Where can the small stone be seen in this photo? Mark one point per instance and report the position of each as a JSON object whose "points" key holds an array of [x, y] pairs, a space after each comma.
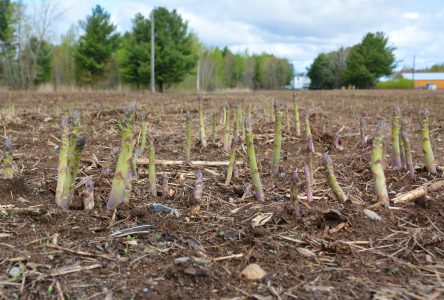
{"points": [[181, 260], [145, 290], [15, 272], [253, 272]]}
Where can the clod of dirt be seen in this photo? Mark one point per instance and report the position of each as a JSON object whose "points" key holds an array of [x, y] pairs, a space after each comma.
{"points": [[253, 272]]}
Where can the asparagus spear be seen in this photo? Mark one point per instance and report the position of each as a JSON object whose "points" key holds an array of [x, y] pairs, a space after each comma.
{"points": [[227, 131], [297, 122], [213, 128], [293, 208], [188, 137], [362, 122], [252, 164], [107, 169], [7, 171], [88, 195], [123, 167], [377, 165], [198, 193], [408, 151], [396, 126], [152, 164], [277, 140], [165, 188], [203, 139], [429, 159], [63, 160], [331, 179], [143, 126], [73, 166], [308, 131], [308, 177], [234, 145]]}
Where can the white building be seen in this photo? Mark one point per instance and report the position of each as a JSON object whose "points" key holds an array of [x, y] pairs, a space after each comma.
{"points": [[301, 82]]}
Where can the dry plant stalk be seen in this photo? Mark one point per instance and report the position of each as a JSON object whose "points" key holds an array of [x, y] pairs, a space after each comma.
{"points": [[213, 128], [331, 179], [252, 163], [419, 192], [143, 127], [377, 165]]}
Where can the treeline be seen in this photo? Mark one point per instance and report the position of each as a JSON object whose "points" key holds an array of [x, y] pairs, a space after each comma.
{"points": [[95, 55], [360, 66]]}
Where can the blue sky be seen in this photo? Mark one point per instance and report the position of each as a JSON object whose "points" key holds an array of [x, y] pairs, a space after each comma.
{"points": [[295, 29]]}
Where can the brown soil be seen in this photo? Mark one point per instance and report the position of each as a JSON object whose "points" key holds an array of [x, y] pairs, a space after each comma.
{"points": [[399, 257]]}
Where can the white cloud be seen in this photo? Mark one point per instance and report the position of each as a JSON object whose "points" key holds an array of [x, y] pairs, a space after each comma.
{"points": [[296, 29]]}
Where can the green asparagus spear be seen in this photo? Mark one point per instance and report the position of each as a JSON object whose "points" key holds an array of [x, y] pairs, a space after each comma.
{"points": [[331, 179], [188, 137], [203, 139], [123, 167], [277, 140], [377, 165], [297, 122], [396, 126], [234, 145], [252, 164], [152, 164], [429, 159]]}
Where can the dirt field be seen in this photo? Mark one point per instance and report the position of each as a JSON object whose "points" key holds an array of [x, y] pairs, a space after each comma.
{"points": [[70, 254]]}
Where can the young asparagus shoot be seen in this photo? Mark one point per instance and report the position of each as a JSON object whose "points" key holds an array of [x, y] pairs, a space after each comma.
{"points": [[63, 160], [227, 130], [377, 165], [240, 116], [277, 140], [203, 139], [308, 177], [198, 194], [362, 137], [165, 188], [152, 164], [213, 128], [252, 163], [128, 187], [121, 175], [293, 207], [225, 114], [232, 162], [88, 195], [143, 126], [188, 137], [402, 152], [336, 139], [297, 121], [308, 131], [331, 179], [396, 127], [429, 159], [108, 167], [7, 170], [71, 173], [287, 120], [408, 150]]}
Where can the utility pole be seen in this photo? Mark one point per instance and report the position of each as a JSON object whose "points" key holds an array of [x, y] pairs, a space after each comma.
{"points": [[198, 76], [413, 72], [153, 85]]}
